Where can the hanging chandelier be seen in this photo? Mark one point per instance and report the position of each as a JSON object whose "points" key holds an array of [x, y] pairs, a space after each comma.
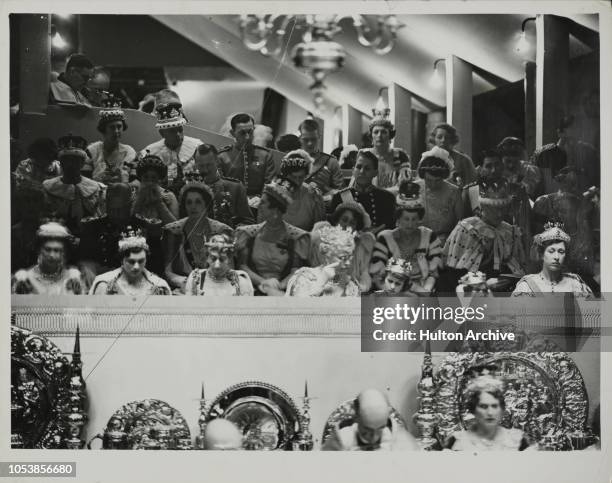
{"points": [[317, 53]]}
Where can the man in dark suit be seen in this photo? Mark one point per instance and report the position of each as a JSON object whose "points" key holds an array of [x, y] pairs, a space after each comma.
{"points": [[378, 203]]}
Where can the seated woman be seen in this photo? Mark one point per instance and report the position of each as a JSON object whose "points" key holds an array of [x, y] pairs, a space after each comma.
{"points": [[397, 278], [307, 207], [485, 400], [185, 240], [50, 276], [153, 203], [350, 215], [219, 279], [40, 165], [111, 161], [333, 277], [271, 251], [132, 278], [551, 246], [409, 241], [473, 283]]}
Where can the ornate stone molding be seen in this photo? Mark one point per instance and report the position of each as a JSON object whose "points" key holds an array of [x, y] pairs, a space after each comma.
{"points": [[108, 316]]}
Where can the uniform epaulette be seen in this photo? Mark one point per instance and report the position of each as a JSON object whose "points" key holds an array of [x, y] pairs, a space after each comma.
{"points": [[547, 147], [91, 219], [225, 149], [469, 185]]}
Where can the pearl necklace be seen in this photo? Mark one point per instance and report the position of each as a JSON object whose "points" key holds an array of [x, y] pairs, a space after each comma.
{"points": [[552, 283], [50, 277]]}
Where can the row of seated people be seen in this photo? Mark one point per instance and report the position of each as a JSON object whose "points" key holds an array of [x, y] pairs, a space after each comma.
{"points": [[110, 161], [375, 429], [390, 224], [340, 257]]}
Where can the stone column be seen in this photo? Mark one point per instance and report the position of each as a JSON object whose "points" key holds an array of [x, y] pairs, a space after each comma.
{"points": [[459, 100]]}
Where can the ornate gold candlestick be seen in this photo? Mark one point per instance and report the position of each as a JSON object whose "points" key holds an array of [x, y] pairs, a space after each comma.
{"points": [[426, 419], [305, 441], [202, 422]]}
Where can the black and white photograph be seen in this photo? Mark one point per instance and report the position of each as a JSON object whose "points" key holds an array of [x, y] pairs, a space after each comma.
{"points": [[163, 164]]}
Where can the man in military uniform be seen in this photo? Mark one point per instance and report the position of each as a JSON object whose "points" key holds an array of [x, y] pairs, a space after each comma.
{"points": [[325, 172], [378, 203], [230, 203], [252, 165], [100, 235]]}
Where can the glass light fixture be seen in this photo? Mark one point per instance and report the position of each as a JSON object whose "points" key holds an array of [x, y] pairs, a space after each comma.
{"points": [[317, 53], [522, 45], [381, 109], [58, 41], [436, 77]]}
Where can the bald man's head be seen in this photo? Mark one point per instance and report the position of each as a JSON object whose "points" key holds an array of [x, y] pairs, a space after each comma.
{"points": [[372, 415], [221, 434]]}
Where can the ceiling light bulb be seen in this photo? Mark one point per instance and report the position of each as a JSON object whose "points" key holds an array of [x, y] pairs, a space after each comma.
{"points": [[522, 45], [58, 41]]}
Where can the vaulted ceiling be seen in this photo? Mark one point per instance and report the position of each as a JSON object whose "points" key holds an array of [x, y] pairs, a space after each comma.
{"points": [[485, 40]]}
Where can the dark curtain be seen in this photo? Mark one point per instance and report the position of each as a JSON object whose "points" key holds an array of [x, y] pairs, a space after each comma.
{"points": [[497, 114], [273, 104]]}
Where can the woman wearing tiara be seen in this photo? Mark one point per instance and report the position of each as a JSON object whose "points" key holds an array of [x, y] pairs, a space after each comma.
{"points": [[551, 247], [111, 161], [350, 215], [333, 277], [393, 163], [50, 275], [410, 241], [397, 279], [484, 397], [185, 239], [271, 251], [132, 278], [219, 279]]}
